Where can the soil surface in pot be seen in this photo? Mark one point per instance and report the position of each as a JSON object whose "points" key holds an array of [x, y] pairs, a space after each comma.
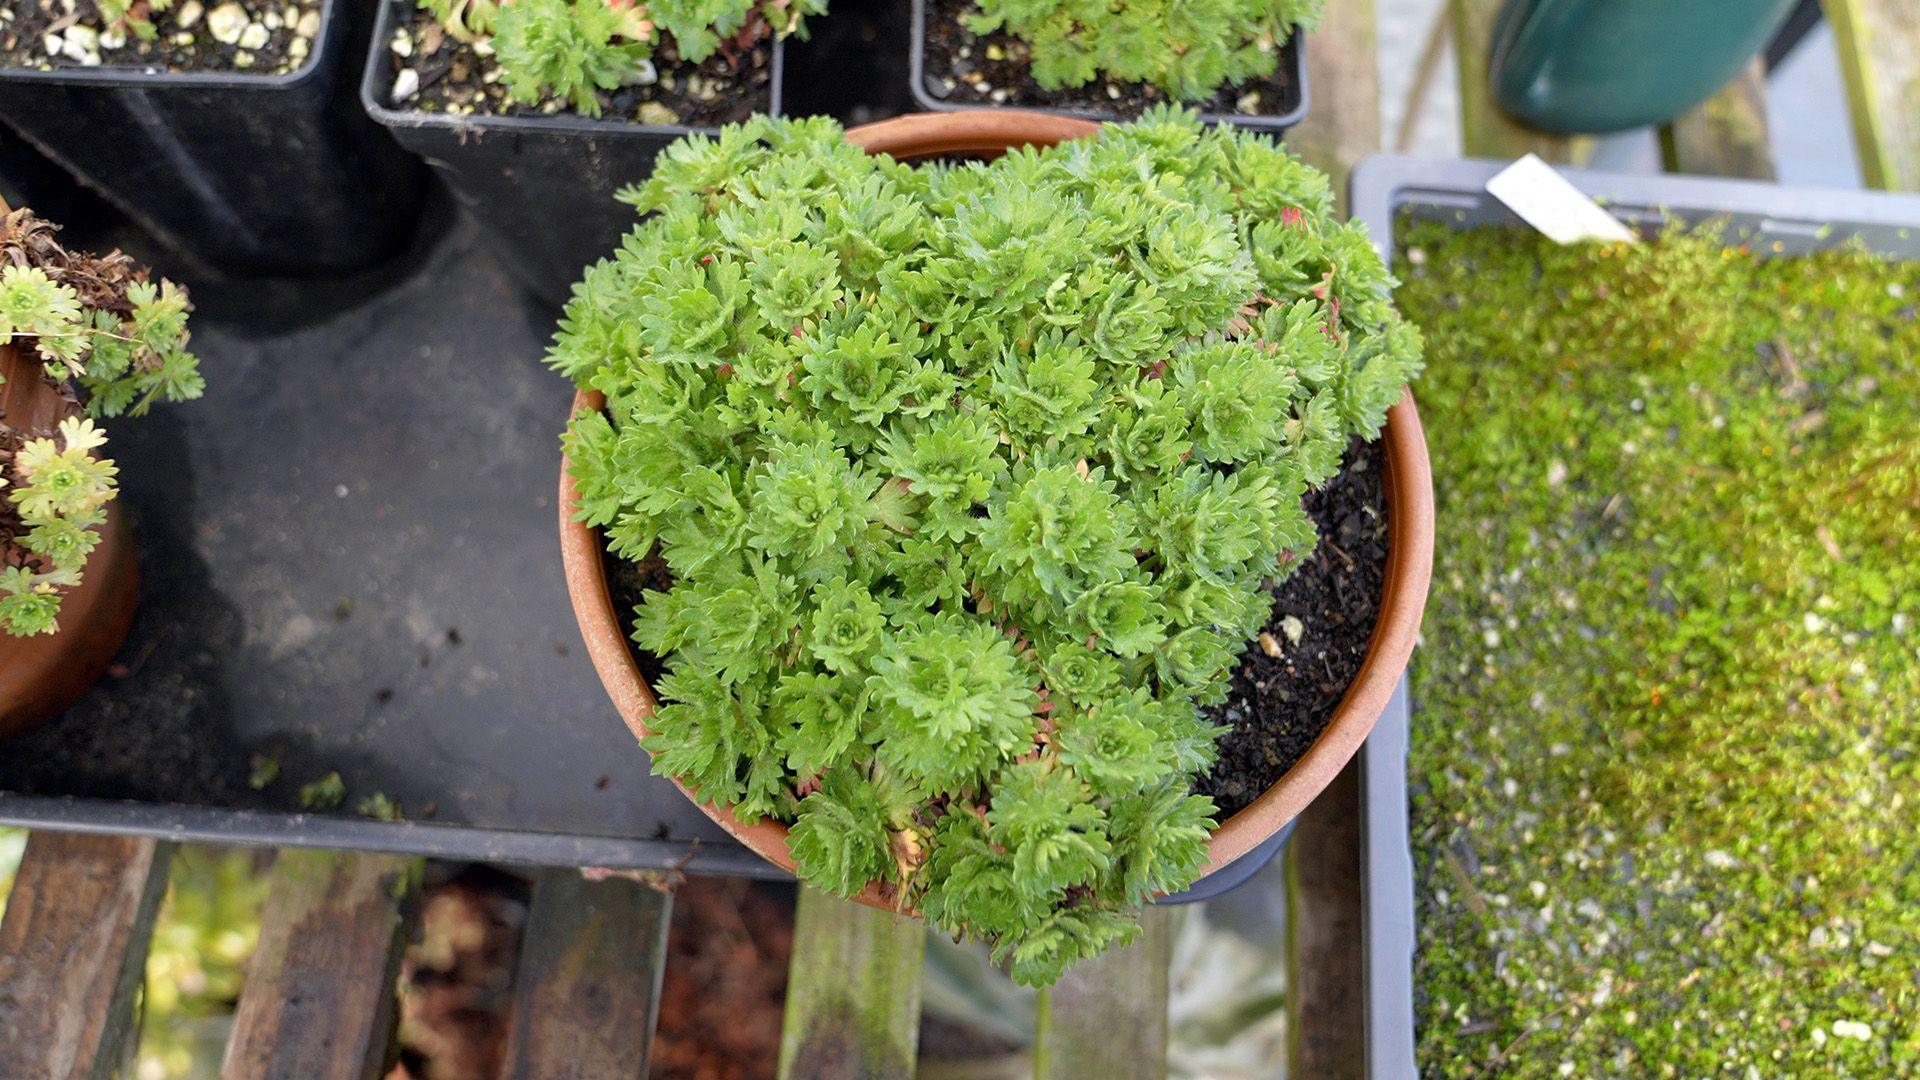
{"points": [[960, 69], [260, 37], [1289, 681], [435, 73]]}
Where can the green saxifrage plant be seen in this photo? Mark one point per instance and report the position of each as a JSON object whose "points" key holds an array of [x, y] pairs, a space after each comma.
{"points": [[1187, 48], [110, 342], [969, 478], [570, 50]]}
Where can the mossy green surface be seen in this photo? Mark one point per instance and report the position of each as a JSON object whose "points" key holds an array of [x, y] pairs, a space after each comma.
{"points": [[1665, 766]]}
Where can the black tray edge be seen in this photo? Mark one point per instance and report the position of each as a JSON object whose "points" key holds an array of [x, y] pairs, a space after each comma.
{"points": [[259, 828]]}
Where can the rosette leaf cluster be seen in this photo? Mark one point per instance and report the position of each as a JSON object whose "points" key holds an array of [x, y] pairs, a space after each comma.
{"points": [[970, 479]]}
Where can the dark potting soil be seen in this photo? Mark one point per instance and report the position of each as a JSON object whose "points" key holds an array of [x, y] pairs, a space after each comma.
{"points": [[258, 37], [453, 78], [958, 70], [1290, 680], [627, 583]]}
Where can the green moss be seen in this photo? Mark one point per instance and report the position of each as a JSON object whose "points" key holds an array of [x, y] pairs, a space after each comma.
{"points": [[1666, 805]]}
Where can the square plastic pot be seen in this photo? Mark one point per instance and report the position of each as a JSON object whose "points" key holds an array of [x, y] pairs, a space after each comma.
{"points": [[1293, 107], [540, 187], [1769, 217], [242, 174]]}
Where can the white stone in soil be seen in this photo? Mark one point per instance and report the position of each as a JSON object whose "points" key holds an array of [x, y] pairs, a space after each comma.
{"points": [[82, 45], [255, 36], [189, 15], [1293, 628], [405, 85], [53, 44], [309, 25], [652, 112], [226, 23], [271, 21], [113, 38], [645, 74], [297, 49], [402, 43]]}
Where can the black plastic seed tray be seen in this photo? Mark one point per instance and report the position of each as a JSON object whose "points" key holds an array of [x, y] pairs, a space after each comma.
{"points": [[1770, 217], [351, 563]]}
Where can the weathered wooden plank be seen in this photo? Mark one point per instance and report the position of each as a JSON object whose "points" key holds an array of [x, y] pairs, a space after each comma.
{"points": [[319, 1001], [587, 992], [1107, 1017], [1343, 69], [853, 992], [1725, 135], [1326, 992], [1879, 43], [73, 947], [1484, 130]]}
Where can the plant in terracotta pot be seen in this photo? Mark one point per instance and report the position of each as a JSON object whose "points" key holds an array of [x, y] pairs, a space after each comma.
{"points": [[956, 491], [81, 337]]}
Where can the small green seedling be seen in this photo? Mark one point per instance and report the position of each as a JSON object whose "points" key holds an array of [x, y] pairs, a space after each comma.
{"points": [[570, 50], [1187, 48]]}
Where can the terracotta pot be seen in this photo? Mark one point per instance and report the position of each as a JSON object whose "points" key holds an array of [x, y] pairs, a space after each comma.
{"points": [[1409, 492], [43, 674]]}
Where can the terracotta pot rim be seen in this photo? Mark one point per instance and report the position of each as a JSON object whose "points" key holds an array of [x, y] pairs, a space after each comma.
{"points": [[1409, 491]]}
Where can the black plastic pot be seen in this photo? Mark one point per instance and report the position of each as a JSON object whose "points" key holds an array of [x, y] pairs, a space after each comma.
{"points": [[540, 187], [242, 174], [1293, 106]]}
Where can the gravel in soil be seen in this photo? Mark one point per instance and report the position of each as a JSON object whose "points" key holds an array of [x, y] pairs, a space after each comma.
{"points": [[1292, 677], [435, 73], [965, 68], [261, 37]]}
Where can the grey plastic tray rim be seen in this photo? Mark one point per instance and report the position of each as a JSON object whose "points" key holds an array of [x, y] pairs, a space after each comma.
{"points": [[1788, 220]]}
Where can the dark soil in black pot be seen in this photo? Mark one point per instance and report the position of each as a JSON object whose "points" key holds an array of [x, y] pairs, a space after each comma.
{"points": [[258, 37], [961, 69], [1289, 681], [435, 73]]}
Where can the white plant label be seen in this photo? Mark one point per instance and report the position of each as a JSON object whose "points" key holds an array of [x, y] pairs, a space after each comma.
{"points": [[1550, 203]]}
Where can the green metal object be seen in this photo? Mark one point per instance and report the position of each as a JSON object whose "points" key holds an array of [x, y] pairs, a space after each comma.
{"points": [[1595, 66]]}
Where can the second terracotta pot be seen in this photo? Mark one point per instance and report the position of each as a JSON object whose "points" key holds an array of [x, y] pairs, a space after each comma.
{"points": [[1409, 493], [43, 674]]}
